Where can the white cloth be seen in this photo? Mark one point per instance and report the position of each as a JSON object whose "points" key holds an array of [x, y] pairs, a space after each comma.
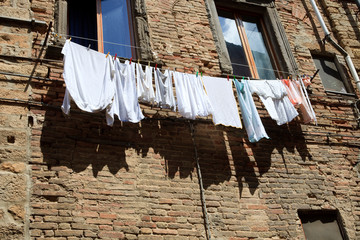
{"points": [[88, 75], [145, 90], [164, 95], [252, 122], [125, 105], [192, 100], [182, 96], [202, 99], [274, 97], [221, 95]]}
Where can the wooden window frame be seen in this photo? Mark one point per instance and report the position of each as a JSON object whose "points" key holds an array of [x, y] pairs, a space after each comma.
{"points": [[238, 16]]}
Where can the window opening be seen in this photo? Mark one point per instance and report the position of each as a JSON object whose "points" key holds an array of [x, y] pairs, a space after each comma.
{"points": [[329, 74], [321, 225], [105, 21], [247, 44]]}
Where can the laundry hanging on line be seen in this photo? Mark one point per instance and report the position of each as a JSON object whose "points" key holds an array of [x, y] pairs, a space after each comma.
{"points": [[125, 84], [274, 97], [89, 79], [252, 122], [296, 93], [125, 103]]}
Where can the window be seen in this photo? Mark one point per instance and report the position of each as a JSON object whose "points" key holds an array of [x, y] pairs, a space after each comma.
{"points": [[322, 225], [250, 39], [330, 73], [108, 21], [247, 45]]}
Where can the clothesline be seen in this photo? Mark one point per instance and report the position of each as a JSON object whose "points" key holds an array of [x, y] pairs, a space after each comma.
{"points": [[132, 46]]}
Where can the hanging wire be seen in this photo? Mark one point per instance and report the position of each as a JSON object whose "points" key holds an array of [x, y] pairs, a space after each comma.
{"points": [[132, 46], [94, 40]]}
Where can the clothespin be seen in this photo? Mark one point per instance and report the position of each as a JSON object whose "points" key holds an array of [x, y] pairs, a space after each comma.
{"points": [[155, 66], [107, 54], [243, 78], [149, 63], [201, 74], [235, 78], [115, 56], [130, 60], [70, 39], [228, 77], [197, 74], [138, 60], [88, 47]]}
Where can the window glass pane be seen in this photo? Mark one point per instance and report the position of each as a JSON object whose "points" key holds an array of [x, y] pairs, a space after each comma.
{"points": [[321, 225], [258, 49], [116, 28], [324, 229], [82, 21], [329, 74], [234, 45]]}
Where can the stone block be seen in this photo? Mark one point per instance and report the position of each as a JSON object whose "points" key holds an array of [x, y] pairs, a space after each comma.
{"points": [[13, 167], [17, 211], [13, 187]]}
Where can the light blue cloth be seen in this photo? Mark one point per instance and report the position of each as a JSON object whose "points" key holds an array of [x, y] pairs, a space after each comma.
{"points": [[252, 122]]}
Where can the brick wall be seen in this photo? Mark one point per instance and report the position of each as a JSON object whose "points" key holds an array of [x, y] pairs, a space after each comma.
{"points": [[75, 177]]}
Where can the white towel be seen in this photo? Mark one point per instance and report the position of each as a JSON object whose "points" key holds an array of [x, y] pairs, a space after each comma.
{"points": [[225, 110]]}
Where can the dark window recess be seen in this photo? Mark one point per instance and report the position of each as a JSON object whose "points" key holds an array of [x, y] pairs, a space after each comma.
{"points": [[82, 22], [322, 225], [330, 74]]}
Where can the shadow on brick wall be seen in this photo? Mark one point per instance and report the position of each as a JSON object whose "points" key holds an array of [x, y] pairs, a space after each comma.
{"points": [[252, 160], [84, 140]]}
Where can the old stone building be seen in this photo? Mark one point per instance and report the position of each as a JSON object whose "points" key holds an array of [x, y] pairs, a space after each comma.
{"points": [[77, 178]]}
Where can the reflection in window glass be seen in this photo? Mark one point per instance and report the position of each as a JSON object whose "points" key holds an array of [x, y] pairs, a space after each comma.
{"points": [[329, 74], [234, 46], [321, 225], [258, 49], [115, 17]]}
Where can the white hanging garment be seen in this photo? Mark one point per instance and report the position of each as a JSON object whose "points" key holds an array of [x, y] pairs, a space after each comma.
{"points": [[252, 122], [145, 90], [164, 95], [126, 105], [88, 75], [192, 100], [182, 96], [221, 96], [274, 97], [201, 103]]}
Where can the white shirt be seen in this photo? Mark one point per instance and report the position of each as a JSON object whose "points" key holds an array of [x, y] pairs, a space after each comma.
{"points": [[164, 95], [145, 90], [126, 105], [274, 97], [225, 110], [88, 76]]}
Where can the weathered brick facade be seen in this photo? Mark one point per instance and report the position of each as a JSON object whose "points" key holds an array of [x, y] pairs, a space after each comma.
{"points": [[75, 177]]}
